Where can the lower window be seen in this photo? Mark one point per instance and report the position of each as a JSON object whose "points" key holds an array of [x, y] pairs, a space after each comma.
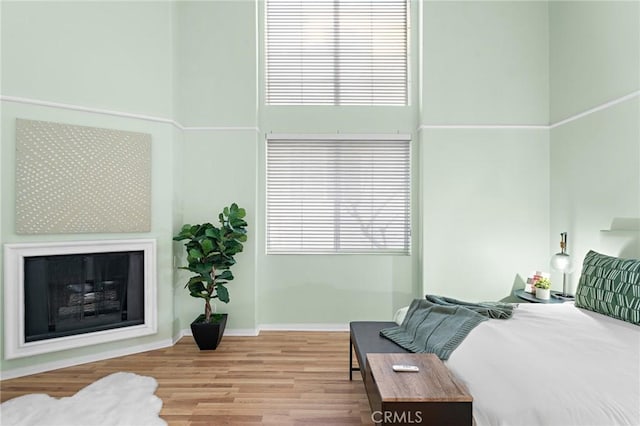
{"points": [[338, 194]]}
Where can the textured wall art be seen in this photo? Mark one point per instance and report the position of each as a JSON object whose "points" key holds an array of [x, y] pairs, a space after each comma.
{"points": [[78, 179]]}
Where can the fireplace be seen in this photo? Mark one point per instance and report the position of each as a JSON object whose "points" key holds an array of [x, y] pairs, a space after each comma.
{"points": [[65, 295]]}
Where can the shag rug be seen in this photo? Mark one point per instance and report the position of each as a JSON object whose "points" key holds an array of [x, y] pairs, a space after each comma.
{"points": [[123, 399]]}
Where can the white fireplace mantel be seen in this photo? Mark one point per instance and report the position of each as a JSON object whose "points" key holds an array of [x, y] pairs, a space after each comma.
{"points": [[14, 298]]}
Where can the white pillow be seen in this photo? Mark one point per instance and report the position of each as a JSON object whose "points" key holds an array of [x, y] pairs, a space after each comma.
{"points": [[400, 314]]}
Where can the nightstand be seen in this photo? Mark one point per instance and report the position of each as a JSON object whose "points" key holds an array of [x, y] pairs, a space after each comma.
{"points": [[521, 294]]}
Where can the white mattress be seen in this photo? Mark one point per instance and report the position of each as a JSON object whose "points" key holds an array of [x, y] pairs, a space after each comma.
{"points": [[552, 365]]}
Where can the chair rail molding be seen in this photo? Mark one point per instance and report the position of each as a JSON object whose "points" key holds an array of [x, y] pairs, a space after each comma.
{"points": [[421, 127], [550, 126], [123, 114]]}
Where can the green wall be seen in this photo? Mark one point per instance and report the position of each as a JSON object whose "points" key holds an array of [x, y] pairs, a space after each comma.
{"points": [[215, 98], [108, 55], [99, 55], [484, 146], [594, 55], [485, 210], [216, 63], [485, 62], [220, 168], [595, 158]]}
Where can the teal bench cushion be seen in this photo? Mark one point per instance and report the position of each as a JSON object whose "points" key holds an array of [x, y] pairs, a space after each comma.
{"points": [[610, 286]]}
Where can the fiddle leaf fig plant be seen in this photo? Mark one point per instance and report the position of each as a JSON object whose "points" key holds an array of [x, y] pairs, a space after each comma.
{"points": [[210, 255]]}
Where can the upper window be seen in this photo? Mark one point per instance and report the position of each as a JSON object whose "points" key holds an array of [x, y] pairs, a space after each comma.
{"points": [[336, 52], [347, 195]]}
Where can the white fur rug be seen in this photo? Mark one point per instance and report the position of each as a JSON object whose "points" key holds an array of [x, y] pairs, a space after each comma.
{"points": [[123, 399]]}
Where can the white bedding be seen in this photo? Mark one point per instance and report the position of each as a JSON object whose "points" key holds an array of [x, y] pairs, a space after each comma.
{"points": [[552, 365]]}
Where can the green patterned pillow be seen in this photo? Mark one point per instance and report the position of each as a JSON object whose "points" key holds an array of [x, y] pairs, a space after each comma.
{"points": [[610, 286]]}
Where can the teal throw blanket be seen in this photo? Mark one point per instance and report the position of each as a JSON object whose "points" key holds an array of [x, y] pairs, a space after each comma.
{"points": [[439, 324]]}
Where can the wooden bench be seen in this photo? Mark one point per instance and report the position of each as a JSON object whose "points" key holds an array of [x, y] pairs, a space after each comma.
{"points": [[432, 396], [365, 338]]}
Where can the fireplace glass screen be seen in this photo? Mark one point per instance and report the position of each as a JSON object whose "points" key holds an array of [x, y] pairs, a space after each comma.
{"points": [[82, 293]]}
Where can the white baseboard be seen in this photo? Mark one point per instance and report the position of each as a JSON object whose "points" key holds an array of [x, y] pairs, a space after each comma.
{"points": [[70, 362], [242, 332], [303, 327], [252, 332]]}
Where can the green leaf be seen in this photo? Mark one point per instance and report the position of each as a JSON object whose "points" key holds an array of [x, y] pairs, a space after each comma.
{"points": [[195, 253], [213, 232], [225, 275], [223, 293], [202, 268], [200, 295], [185, 233], [237, 223], [197, 287], [194, 280], [207, 246]]}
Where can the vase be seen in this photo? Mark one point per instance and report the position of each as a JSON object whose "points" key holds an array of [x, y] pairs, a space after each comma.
{"points": [[208, 335], [543, 293]]}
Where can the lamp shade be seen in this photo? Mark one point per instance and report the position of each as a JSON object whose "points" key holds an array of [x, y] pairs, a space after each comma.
{"points": [[561, 262]]}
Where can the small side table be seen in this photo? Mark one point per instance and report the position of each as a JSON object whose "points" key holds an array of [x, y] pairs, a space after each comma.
{"points": [[521, 294]]}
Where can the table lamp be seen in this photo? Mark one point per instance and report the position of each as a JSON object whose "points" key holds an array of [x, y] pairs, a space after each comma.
{"points": [[562, 262]]}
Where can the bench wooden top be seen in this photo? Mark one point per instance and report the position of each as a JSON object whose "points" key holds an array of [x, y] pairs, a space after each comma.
{"points": [[433, 383]]}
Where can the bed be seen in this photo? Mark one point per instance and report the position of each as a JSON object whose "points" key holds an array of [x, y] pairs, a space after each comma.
{"points": [[560, 364], [552, 365]]}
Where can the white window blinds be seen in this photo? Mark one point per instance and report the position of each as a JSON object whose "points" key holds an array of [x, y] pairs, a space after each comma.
{"points": [[336, 52], [338, 196]]}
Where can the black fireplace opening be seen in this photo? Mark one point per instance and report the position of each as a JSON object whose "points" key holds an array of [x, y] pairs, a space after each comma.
{"points": [[82, 293]]}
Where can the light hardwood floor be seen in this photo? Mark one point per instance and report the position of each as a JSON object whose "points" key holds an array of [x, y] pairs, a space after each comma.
{"points": [[278, 378]]}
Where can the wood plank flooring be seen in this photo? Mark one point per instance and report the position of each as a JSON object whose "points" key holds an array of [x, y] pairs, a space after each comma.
{"points": [[277, 378]]}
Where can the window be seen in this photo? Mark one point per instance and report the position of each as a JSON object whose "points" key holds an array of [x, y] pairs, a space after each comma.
{"points": [[347, 195], [336, 52]]}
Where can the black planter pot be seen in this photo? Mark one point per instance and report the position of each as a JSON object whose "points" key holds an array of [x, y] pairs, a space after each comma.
{"points": [[208, 335]]}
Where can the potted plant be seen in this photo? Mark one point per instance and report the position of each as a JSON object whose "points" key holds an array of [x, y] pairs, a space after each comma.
{"points": [[543, 288], [210, 255]]}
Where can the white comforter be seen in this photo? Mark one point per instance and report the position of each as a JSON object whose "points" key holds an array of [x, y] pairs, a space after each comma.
{"points": [[552, 365]]}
